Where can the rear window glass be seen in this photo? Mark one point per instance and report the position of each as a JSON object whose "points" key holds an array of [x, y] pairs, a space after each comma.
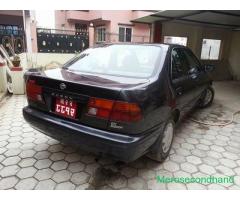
{"points": [[121, 60]]}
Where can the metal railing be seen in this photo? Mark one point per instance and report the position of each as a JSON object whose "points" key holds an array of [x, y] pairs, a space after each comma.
{"points": [[14, 37], [62, 41], [62, 31], [114, 38]]}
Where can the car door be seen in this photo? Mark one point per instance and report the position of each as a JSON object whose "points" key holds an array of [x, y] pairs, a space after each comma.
{"points": [[182, 83], [196, 73]]}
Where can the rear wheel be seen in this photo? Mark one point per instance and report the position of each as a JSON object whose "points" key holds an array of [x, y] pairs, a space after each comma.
{"points": [[207, 98], [164, 143]]}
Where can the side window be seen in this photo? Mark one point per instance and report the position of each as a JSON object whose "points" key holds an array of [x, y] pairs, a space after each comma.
{"points": [[192, 60], [180, 66]]}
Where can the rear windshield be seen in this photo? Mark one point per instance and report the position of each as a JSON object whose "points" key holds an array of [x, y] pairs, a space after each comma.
{"points": [[120, 60]]}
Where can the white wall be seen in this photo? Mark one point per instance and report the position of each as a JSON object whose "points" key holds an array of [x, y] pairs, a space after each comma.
{"points": [[3, 79]]}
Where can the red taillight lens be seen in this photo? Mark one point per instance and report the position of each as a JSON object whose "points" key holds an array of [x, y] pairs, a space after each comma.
{"points": [[34, 91], [114, 110], [128, 112]]}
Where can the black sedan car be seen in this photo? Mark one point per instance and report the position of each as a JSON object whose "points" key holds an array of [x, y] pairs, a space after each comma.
{"points": [[121, 100]]}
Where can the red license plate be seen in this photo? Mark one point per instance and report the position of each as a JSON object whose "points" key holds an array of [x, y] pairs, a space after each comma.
{"points": [[66, 108]]}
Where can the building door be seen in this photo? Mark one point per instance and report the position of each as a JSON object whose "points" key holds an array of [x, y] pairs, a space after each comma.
{"points": [[81, 28]]}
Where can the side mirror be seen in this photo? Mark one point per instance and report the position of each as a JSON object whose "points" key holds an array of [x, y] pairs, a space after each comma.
{"points": [[193, 73], [209, 68]]}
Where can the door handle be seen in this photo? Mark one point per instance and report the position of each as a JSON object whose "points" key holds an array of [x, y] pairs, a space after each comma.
{"points": [[179, 91], [194, 76]]}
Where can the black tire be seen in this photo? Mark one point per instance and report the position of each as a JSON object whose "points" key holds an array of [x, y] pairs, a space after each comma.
{"points": [[158, 154], [202, 102]]}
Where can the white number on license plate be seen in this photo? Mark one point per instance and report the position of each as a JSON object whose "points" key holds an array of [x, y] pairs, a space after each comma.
{"points": [[67, 108]]}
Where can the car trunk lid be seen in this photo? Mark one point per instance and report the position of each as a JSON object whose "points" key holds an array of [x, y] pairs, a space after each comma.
{"points": [[77, 88]]}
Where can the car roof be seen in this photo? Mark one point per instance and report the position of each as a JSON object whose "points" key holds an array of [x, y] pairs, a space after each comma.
{"points": [[165, 45]]}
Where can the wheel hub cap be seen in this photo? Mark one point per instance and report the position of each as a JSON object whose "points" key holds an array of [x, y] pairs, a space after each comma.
{"points": [[208, 97], [167, 137]]}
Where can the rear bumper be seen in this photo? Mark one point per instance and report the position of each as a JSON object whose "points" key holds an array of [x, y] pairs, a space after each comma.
{"points": [[121, 147]]}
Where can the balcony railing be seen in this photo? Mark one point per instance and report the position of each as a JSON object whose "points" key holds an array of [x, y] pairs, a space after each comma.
{"points": [[114, 38]]}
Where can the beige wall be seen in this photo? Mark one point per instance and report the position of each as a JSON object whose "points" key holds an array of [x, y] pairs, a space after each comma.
{"points": [[195, 34], [45, 60], [234, 55]]}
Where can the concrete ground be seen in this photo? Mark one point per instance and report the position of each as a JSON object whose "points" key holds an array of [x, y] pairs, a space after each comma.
{"points": [[31, 160]]}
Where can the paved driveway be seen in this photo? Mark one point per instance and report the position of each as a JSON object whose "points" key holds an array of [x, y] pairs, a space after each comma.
{"points": [[31, 160]]}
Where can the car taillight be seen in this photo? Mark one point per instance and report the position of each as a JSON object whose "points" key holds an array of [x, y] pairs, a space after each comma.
{"points": [[114, 110], [123, 111], [34, 91], [100, 107]]}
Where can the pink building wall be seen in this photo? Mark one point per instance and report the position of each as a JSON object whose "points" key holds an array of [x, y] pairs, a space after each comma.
{"points": [[125, 17], [110, 19]]}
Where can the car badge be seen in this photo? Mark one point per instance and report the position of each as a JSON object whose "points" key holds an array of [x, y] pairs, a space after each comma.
{"points": [[62, 86]]}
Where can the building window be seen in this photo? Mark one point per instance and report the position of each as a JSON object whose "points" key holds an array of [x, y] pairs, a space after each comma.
{"points": [[101, 34], [125, 34], [210, 49], [175, 40]]}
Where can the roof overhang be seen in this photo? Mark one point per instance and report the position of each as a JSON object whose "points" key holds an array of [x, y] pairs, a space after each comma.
{"points": [[229, 19]]}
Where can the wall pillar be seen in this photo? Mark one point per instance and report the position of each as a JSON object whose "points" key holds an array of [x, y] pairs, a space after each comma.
{"points": [[151, 27], [91, 35], [30, 31], [157, 34], [34, 36]]}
